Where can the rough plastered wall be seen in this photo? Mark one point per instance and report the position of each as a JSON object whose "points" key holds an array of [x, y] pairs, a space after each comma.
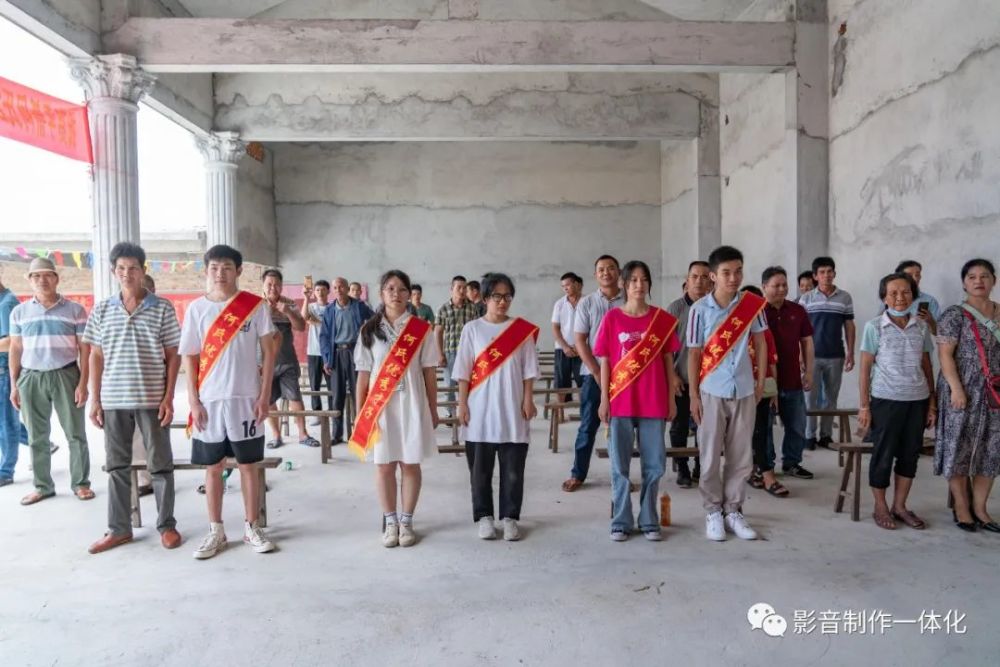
{"points": [[678, 214], [915, 143], [753, 161], [256, 232], [532, 209]]}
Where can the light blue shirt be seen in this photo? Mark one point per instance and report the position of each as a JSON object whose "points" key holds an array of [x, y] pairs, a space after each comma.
{"points": [[733, 378], [7, 304], [932, 305]]}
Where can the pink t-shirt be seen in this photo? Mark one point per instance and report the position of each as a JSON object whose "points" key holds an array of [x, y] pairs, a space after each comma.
{"points": [[648, 395]]}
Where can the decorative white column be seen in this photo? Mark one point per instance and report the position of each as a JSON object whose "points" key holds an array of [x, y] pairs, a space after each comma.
{"points": [[222, 151], [113, 85]]}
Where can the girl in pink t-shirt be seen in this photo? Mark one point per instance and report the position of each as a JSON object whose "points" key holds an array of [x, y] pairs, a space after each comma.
{"points": [[642, 407]]}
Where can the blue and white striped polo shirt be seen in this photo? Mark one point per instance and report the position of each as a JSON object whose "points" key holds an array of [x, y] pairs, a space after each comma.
{"points": [[49, 336], [828, 314], [134, 376]]}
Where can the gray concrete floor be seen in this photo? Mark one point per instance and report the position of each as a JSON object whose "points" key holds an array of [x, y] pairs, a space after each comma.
{"points": [[564, 595]]}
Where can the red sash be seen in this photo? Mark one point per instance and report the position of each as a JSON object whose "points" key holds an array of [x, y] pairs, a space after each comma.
{"points": [[728, 333], [221, 334], [648, 349], [500, 350], [400, 356]]}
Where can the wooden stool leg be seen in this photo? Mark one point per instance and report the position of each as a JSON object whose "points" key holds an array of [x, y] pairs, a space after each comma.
{"points": [[324, 439], [262, 503], [845, 478], [856, 510], [283, 427], [134, 495], [555, 431]]}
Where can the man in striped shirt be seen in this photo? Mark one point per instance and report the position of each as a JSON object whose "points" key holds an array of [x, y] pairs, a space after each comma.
{"points": [[133, 369], [48, 371]]}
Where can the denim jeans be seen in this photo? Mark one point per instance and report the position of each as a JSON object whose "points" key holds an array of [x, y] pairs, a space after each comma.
{"points": [[827, 375], [653, 460], [590, 400], [567, 371], [792, 410], [12, 431]]}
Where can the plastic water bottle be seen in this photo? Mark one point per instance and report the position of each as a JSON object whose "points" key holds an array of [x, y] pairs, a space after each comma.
{"points": [[665, 509], [289, 465]]}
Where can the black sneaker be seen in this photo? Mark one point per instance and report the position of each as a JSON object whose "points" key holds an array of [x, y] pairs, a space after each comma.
{"points": [[683, 475], [825, 442], [797, 471], [811, 444]]}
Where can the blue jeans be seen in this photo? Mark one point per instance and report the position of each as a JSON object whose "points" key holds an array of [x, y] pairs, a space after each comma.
{"points": [[827, 375], [12, 431], [792, 410], [653, 461], [590, 400]]}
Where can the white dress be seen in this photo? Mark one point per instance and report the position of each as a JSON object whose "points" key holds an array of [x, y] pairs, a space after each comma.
{"points": [[406, 429]]}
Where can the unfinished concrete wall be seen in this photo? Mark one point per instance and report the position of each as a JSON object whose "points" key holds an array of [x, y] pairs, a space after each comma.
{"points": [[915, 146], [256, 231], [534, 210], [678, 214]]}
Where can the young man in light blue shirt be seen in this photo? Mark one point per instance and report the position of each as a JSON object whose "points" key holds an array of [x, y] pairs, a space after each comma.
{"points": [[724, 398]]}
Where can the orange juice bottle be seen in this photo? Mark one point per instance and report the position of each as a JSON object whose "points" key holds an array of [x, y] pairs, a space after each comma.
{"points": [[665, 509]]}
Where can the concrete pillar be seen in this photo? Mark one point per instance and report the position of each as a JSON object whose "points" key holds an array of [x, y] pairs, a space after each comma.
{"points": [[222, 151], [113, 85], [807, 131], [708, 181]]}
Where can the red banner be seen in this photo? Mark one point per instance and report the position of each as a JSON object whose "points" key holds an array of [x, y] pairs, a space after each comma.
{"points": [[47, 122]]}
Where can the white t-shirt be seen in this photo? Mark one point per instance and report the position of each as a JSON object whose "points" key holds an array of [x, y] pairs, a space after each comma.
{"points": [[235, 374], [495, 407], [312, 345], [562, 314]]}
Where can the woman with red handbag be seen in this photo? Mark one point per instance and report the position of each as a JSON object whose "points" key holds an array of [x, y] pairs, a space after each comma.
{"points": [[968, 429]]}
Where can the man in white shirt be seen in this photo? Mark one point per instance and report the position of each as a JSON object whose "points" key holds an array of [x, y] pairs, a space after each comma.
{"points": [[567, 360], [314, 302]]}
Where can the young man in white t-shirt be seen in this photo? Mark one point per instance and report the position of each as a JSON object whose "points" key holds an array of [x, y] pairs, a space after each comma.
{"points": [[496, 415], [230, 406], [314, 303]]}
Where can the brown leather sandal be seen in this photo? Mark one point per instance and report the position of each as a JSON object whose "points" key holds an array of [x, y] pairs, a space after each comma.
{"points": [[84, 493], [884, 520], [910, 519], [35, 497], [572, 484]]}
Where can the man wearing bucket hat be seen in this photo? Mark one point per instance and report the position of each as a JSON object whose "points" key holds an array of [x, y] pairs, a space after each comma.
{"points": [[49, 371]]}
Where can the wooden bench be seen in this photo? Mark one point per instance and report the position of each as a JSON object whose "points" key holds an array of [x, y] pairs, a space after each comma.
{"points": [[843, 426], [852, 466], [557, 415], [185, 464], [325, 419]]}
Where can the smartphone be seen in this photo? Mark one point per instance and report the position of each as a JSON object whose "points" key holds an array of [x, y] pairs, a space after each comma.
{"points": [[923, 307]]}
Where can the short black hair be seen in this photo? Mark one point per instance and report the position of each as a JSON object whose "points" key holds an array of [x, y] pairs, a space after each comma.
{"points": [[457, 279], [321, 283], [806, 274], [753, 289], [820, 262], [474, 284], [221, 252], [569, 275], [883, 285], [602, 257], [982, 263], [415, 287], [722, 254], [272, 272], [698, 262], [353, 283], [771, 272], [491, 280], [908, 264], [130, 250]]}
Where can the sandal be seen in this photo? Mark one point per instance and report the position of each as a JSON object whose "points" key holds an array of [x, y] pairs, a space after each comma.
{"points": [[35, 497], [84, 493], [756, 480], [884, 521], [910, 519], [777, 490], [571, 484]]}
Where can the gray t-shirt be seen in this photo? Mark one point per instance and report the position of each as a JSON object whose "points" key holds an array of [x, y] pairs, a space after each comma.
{"points": [[590, 310], [286, 353], [680, 309]]}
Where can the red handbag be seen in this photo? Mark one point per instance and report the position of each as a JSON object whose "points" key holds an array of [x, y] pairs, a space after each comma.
{"points": [[992, 381]]}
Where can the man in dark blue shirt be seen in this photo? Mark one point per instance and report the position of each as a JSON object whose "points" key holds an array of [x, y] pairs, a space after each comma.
{"points": [[342, 322]]}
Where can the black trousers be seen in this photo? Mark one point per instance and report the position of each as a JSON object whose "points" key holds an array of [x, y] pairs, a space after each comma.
{"points": [[761, 426], [567, 371], [343, 380], [680, 427], [897, 434], [316, 379], [481, 457]]}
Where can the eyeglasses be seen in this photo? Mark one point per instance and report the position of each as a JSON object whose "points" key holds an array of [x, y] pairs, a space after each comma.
{"points": [[501, 298]]}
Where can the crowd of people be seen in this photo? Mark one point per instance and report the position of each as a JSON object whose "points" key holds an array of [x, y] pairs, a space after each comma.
{"points": [[721, 363]]}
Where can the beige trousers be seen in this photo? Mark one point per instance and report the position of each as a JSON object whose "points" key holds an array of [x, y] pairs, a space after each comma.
{"points": [[726, 429]]}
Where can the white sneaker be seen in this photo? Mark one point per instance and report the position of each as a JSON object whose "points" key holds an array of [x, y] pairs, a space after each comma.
{"points": [[213, 543], [255, 537], [487, 531], [618, 536], [653, 535], [407, 538], [715, 528], [738, 525], [511, 532], [390, 535]]}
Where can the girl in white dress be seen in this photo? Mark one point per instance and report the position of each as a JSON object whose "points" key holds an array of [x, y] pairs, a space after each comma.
{"points": [[406, 425]]}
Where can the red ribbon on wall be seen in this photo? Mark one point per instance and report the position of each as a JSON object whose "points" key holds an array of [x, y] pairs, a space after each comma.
{"points": [[46, 122]]}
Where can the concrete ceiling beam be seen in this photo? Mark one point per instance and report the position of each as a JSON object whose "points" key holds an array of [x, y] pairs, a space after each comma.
{"points": [[288, 45]]}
